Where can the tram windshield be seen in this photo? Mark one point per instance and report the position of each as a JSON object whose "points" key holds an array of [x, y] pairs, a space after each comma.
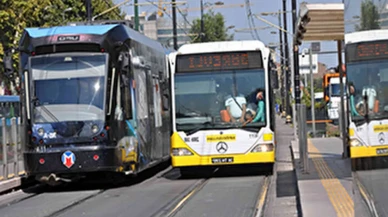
{"points": [[68, 87], [368, 78], [203, 99]]}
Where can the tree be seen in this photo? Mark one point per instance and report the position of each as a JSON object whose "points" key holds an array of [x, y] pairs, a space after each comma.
{"points": [[16, 15], [369, 16], [214, 28]]}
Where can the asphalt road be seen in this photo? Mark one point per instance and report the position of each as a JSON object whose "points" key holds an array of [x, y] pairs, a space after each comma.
{"points": [[375, 182], [157, 195]]}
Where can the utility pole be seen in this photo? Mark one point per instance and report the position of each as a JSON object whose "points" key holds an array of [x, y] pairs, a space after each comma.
{"points": [[202, 24], [174, 33], [136, 8], [89, 10], [287, 70], [296, 57], [281, 59]]}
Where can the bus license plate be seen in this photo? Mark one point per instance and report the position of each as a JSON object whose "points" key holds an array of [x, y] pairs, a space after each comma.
{"points": [[222, 160], [382, 151]]}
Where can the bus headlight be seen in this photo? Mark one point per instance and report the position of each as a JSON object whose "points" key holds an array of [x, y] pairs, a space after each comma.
{"points": [[263, 148], [40, 131], [181, 152], [355, 143]]}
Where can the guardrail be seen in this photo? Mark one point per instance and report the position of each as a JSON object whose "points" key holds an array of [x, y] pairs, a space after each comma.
{"points": [[11, 155]]}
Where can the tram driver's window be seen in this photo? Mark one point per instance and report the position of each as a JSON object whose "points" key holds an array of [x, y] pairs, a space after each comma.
{"points": [[127, 100]]}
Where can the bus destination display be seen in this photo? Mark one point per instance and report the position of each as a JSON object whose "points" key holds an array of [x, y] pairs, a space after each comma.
{"points": [[219, 61], [368, 51]]}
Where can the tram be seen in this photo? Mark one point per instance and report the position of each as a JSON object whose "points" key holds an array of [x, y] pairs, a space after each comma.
{"points": [[217, 88], [95, 100]]}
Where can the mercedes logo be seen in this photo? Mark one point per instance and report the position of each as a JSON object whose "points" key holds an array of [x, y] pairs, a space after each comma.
{"points": [[222, 147], [381, 138]]}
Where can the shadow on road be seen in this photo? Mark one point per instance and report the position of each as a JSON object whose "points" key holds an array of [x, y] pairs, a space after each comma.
{"points": [[100, 181], [219, 172]]}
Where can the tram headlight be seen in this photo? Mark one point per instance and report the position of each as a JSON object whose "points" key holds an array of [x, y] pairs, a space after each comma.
{"points": [[355, 143], [94, 128], [263, 148], [40, 131], [181, 152], [132, 144]]}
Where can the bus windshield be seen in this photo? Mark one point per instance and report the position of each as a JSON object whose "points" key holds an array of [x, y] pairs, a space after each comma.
{"points": [[368, 78], [202, 97], [68, 87], [336, 90]]}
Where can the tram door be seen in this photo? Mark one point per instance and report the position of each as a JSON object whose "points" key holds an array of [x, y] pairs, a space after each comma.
{"points": [[157, 111], [143, 115]]}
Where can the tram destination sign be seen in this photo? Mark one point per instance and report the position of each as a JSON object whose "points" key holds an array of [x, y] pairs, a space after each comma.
{"points": [[219, 61], [367, 51]]}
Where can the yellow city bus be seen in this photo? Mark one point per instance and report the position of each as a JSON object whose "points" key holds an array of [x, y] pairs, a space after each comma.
{"points": [[214, 98]]}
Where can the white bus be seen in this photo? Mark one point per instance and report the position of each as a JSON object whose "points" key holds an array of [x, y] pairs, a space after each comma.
{"points": [[366, 55], [223, 105]]}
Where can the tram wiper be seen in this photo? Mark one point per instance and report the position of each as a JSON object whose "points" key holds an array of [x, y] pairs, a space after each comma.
{"points": [[36, 103]]}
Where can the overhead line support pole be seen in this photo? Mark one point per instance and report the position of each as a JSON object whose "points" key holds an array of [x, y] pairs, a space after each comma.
{"points": [[287, 70], [174, 31], [282, 64], [136, 9]]}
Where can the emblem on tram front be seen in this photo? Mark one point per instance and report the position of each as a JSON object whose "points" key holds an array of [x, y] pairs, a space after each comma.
{"points": [[68, 159]]}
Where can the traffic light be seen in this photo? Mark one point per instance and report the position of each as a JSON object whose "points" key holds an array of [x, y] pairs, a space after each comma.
{"points": [[299, 34]]}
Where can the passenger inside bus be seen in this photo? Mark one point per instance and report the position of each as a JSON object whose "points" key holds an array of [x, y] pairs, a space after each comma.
{"points": [[370, 91], [235, 103], [259, 115], [352, 91]]}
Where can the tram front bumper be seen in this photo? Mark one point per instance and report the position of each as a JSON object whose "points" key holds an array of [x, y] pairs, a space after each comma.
{"points": [[72, 161]]}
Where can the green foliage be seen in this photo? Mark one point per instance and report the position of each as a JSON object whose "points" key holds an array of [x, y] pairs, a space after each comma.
{"points": [[15, 15], [369, 16], [332, 130], [214, 28]]}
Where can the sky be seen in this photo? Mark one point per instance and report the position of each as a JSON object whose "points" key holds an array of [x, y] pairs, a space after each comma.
{"points": [[237, 16]]}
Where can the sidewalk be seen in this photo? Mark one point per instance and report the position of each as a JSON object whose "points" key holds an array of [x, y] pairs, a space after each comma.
{"points": [[282, 194], [326, 190]]}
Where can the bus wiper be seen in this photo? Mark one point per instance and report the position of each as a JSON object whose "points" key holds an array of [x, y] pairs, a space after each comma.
{"points": [[36, 103], [204, 125]]}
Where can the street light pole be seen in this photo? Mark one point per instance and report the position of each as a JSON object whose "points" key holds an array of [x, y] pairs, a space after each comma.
{"points": [[202, 24]]}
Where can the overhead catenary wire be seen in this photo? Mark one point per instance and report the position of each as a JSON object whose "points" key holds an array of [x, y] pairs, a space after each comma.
{"points": [[251, 21]]}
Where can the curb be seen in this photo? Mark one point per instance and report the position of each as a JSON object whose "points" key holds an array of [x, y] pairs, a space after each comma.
{"points": [[298, 200], [15, 183], [9, 184]]}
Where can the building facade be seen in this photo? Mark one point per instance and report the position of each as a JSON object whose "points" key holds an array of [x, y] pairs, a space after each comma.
{"points": [[161, 28]]}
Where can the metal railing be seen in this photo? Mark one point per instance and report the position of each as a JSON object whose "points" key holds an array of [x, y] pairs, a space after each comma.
{"points": [[11, 155]]}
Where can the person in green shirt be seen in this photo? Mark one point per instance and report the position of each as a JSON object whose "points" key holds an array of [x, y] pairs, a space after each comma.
{"points": [[352, 91], [260, 112], [259, 115]]}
